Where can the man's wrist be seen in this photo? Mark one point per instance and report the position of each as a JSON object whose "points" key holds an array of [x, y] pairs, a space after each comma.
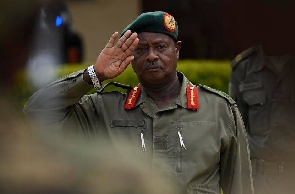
{"points": [[86, 77], [92, 77]]}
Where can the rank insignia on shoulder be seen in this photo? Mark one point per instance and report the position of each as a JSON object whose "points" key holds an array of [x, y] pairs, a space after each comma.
{"points": [[243, 55], [192, 97], [132, 98], [238, 58]]}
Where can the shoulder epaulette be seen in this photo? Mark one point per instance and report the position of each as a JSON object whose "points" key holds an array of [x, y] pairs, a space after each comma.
{"points": [[243, 55], [218, 92], [123, 86]]}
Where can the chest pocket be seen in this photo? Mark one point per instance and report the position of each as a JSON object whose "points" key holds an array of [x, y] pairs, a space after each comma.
{"points": [[257, 112], [127, 130]]}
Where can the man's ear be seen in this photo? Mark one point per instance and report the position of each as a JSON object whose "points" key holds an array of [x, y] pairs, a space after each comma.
{"points": [[178, 47]]}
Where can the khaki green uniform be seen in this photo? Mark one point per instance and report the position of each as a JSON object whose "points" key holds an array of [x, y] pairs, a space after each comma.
{"points": [[266, 98], [206, 148]]}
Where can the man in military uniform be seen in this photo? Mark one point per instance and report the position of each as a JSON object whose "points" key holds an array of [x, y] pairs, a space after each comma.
{"points": [[263, 85], [198, 130]]}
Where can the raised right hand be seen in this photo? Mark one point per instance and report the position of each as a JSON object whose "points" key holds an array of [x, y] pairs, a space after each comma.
{"points": [[115, 58]]}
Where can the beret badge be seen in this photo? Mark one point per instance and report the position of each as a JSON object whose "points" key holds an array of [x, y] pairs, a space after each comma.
{"points": [[169, 22]]}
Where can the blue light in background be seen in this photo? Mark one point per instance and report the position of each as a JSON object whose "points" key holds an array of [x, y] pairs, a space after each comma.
{"points": [[58, 21]]}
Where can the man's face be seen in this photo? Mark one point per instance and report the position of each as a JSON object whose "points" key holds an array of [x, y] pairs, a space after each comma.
{"points": [[155, 58]]}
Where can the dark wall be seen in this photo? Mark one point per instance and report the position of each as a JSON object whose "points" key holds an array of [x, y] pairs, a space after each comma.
{"points": [[267, 22], [220, 29], [199, 26]]}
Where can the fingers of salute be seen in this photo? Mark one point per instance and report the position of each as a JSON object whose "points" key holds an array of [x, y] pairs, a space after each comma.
{"points": [[125, 45]]}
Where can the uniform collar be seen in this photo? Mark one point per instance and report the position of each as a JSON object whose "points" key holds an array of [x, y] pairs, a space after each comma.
{"points": [[188, 97]]}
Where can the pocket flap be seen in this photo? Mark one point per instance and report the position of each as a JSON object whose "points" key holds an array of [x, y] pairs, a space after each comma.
{"points": [[254, 97], [127, 123]]}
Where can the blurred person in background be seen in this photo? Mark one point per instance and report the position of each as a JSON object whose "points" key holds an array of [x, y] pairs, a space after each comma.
{"points": [[55, 43], [16, 36], [36, 162], [196, 129], [263, 85]]}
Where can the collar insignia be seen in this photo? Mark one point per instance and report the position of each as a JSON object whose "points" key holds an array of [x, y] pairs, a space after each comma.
{"points": [[191, 94], [132, 98], [169, 22], [192, 97]]}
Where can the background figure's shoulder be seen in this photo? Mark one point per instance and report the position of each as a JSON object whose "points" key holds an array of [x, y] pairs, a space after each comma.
{"points": [[244, 55], [218, 93]]}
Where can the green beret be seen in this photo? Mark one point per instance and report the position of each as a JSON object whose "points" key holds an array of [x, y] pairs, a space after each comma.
{"points": [[157, 21]]}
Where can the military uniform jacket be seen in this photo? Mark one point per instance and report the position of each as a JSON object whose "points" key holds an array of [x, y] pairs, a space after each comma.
{"points": [[266, 99], [205, 145]]}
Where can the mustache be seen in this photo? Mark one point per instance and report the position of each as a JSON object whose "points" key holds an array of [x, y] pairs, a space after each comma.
{"points": [[151, 65]]}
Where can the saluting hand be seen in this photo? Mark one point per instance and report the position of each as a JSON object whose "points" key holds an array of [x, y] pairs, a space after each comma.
{"points": [[115, 58]]}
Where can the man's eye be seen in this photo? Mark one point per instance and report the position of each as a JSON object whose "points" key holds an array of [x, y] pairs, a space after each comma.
{"points": [[140, 49], [162, 46]]}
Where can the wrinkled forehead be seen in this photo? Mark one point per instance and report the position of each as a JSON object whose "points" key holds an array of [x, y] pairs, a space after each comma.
{"points": [[154, 37]]}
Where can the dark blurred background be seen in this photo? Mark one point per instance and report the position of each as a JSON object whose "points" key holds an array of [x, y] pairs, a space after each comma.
{"points": [[74, 31], [220, 29]]}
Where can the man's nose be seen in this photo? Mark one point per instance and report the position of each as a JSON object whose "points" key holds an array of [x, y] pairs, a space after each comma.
{"points": [[152, 54]]}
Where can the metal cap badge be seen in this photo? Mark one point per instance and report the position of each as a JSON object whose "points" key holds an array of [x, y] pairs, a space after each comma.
{"points": [[169, 22]]}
